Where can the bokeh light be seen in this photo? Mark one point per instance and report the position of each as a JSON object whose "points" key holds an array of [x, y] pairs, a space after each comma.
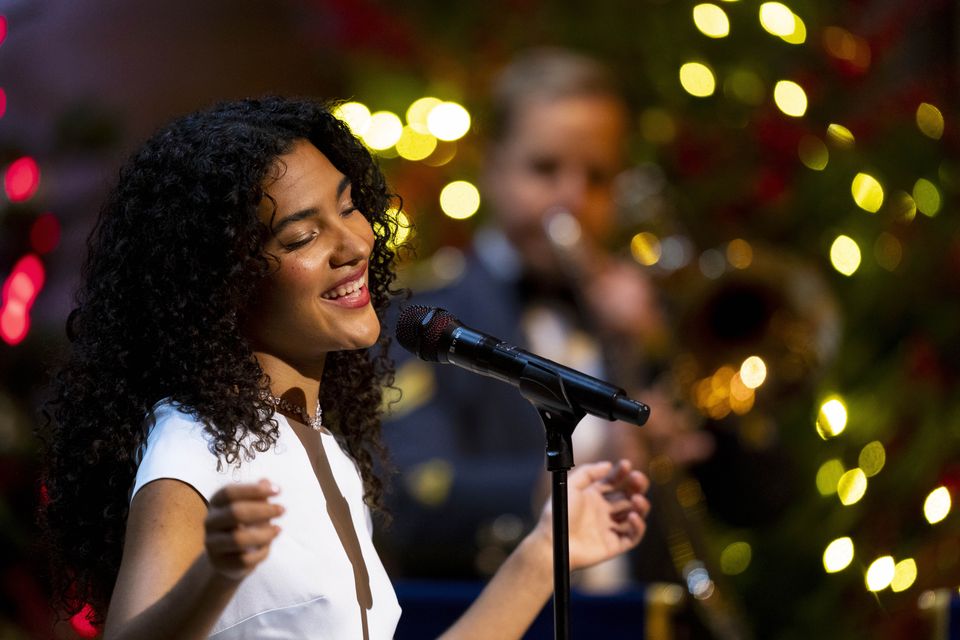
{"points": [[852, 486], [753, 372], [20, 289], [904, 206], [880, 573], [843, 45], [845, 255], [777, 18], [22, 179], [459, 199], [799, 33], [790, 98], [45, 233], [867, 192], [3, 102], [403, 230], [645, 248], [888, 251], [81, 623], [904, 575], [745, 85], [840, 135], [937, 505], [3, 28], [927, 197], [697, 79], [813, 152], [414, 145], [739, 253], [383, 131], [735, 558], [448, 121], [418, 112], [657, 125], [828, 476], [711, 20], [838, 555], [355, 114], [832, 418], [872, 458], [930, 120]]}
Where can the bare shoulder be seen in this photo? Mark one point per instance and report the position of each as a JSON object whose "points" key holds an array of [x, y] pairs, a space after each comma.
{"points": [[164, 536]]}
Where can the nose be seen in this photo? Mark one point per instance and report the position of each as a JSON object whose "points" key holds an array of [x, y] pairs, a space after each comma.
{"points": [[353, 242]]}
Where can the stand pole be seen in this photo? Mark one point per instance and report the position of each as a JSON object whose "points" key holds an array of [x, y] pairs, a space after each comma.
{"points": [[559, 428], [561, 557]]}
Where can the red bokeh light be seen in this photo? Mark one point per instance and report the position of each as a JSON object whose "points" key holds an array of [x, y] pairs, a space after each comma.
{"points": [[45, 233], [3, 28], [3, 102], [81, 623], [22, 179], [19, 291]]}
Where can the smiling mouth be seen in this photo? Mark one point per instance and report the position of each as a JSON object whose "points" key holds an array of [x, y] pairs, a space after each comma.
{"points": [[346, 289]]}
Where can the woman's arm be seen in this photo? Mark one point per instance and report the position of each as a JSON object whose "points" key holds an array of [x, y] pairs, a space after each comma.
{"points": [[606, 512], [182, 562]]}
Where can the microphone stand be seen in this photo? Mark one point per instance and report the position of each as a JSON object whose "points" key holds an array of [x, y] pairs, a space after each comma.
{"points": [[545, 390]]}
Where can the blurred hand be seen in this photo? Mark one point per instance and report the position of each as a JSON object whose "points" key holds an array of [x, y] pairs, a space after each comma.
{"points": [[671, 431], [239, 528], [622, 300], [607, 509]]}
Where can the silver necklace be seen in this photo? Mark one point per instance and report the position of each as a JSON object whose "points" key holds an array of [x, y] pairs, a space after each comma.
{"points": [[281, 403]]}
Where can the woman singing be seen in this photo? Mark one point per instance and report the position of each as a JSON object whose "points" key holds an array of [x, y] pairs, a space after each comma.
{"points": [[212, 437]]}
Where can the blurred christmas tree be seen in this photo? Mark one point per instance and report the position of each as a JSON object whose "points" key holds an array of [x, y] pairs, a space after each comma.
{"points": [[793, 190]]}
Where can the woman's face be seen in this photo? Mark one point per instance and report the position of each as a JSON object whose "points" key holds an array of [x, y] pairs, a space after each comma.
{"points": [[317, 300]]}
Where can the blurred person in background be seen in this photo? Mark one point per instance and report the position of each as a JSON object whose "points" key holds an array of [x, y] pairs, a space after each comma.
{"points": [[470, 449]]}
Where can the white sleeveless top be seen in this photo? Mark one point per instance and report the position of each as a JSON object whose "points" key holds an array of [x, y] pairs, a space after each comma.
{"points": [[306, 588]]}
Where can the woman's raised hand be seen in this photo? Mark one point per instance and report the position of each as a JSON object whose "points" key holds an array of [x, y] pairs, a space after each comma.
{"points": [[607, 508], [239, 528]]}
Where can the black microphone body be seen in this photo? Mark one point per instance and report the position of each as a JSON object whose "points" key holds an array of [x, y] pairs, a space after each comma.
{"points": [[435, 335]]}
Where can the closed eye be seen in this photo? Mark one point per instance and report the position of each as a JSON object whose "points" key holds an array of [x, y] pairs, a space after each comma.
{"points": [[299, 242]]}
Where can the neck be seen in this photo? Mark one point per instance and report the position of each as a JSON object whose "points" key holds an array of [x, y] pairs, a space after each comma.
{"points": [[297, 385]]}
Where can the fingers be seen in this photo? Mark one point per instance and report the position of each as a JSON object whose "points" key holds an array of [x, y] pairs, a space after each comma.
{"points": [[238, 527], [584, 475]]}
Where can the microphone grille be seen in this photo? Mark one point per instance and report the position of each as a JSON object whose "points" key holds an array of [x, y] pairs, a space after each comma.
{"points": [[419, 329]]}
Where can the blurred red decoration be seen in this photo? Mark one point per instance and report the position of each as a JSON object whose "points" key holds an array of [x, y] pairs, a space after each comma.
{"points": [[82, 625], [3, 28], [45, 233], [19, 291], [22, 179], [3, 102]]}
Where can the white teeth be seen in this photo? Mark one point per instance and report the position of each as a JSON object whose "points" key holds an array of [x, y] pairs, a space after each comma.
{"points": [[345, 289]]}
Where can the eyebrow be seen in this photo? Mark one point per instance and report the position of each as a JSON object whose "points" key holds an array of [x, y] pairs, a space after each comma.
{"points": [[309, 211]]}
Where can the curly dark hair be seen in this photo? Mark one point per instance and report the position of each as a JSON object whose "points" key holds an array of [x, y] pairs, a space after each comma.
{"points": [[174, 258]]}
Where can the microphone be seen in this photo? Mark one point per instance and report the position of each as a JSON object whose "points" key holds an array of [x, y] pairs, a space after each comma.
{"points": [[435, 335]]}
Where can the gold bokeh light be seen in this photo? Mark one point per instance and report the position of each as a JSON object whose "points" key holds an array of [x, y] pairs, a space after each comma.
{"points": [[418, 111], [880, 573], [904, 575], [840, 135], [645, 248], [838, 555], [735, 558], [753, 371], [872, 458], [414, 145], [867, 192], [711, 20], [930, 120], [355, 114], [739, 253], [697, 79], [448, 121], [777, 18], [845, 255], [384, 130], [790, 98], [832, 418], [937, 505], [852, 486], [828, 475], [927, 197], [459, 199], [813, 153]]}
